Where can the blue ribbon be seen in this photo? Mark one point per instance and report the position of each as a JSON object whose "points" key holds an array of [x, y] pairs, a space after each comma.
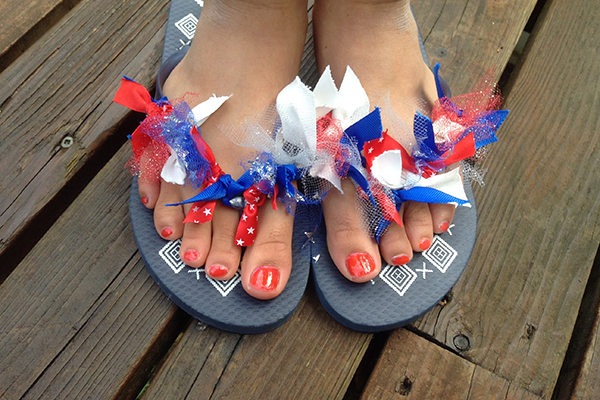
{"points": [[366, 129], [225, 188]]}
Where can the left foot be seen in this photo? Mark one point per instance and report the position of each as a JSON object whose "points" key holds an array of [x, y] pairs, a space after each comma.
{"points": [[379, 41]]}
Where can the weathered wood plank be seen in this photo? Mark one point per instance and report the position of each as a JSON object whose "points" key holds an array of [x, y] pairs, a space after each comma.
{"points": [[80, 315], [309, 357], [19, 17], [412, 367], [63, 85], [539, 216], [468, 38]]}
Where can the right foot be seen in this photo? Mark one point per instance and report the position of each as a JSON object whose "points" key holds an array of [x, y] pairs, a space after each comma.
{"points": [[251, 49]]}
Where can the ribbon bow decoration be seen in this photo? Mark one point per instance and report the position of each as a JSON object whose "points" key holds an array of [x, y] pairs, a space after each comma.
{"points": [[164, 138]]}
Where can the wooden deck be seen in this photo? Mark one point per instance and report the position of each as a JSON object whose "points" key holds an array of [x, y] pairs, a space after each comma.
{"points": [[81, 318]]}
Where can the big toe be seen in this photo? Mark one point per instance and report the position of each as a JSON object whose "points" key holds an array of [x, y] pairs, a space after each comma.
{"points": [[267, 264], [354, 253]]}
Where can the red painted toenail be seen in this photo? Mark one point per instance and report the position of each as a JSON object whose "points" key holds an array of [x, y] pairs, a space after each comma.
{"points": [[424, 244], [190, 255], [444, 226], [400, 260], [265, 278], [360, 264], [144, 199], [166, 232], [218, 271]]}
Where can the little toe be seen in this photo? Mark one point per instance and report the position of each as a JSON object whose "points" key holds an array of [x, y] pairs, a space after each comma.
{"points": [[224, 257], [354, 253], [442, 216], [149, 193], [168, 220], [418, 225], [267, 264], [394, 245]]}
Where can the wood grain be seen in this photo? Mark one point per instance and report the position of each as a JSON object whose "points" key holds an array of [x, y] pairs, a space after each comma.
{"points": [[19, 17], [309, 357], [63, 86], [470, 38], [412, 367], [540, 212], [80, 314]]}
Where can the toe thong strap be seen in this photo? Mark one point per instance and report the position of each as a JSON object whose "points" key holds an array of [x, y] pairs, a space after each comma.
{"points": [[458, 129]]}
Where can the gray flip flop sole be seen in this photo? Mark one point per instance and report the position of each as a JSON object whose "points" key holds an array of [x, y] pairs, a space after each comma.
{"points": [[221, 304], [399, 294]]}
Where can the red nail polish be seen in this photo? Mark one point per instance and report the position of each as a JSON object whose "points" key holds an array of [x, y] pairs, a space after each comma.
{"points": [[190, 255], [166, 232], [400, 260], [265, 278], [144, 199], [360, 264], [424, 244], [444, 226], [218, 271]]}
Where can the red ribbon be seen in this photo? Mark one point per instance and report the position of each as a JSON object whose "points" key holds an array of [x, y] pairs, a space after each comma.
{"points": [[248, 226]]}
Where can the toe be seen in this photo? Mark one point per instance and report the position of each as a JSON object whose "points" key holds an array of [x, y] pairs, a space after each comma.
{"points": [[224, 257], [418, 225], [394, 244], [354, 253], [168, 221], [195, 243], [149, 193], [442, 216], [267, 264]]}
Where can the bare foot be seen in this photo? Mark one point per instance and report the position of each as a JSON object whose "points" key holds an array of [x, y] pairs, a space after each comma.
{"points": [[379, 41], [251, 49]]}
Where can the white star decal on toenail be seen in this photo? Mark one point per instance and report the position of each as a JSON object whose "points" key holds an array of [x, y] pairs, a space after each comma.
{"points": [[240, 242], [250, 231], [207, 211]]}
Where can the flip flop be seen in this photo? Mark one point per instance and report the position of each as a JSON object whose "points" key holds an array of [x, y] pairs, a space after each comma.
{"points": [[399, 294], [221, 304]]}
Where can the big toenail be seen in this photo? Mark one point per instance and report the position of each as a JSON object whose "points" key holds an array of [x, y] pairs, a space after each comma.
{"points": [[360, 264], [444, 226], [166, 232], [190, 255], [424, 244], [401, 259], [218, 271], [265, 278], [144, 199]]}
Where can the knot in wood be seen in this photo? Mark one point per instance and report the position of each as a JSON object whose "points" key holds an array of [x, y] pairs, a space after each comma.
{"points": [[403, 387], [461, 342]]}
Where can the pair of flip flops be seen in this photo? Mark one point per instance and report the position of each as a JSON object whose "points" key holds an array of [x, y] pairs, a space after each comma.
{"points": [[397, 296]]}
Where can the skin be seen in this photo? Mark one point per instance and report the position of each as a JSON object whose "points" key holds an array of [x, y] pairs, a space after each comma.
{"points": [[253, 49]]}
